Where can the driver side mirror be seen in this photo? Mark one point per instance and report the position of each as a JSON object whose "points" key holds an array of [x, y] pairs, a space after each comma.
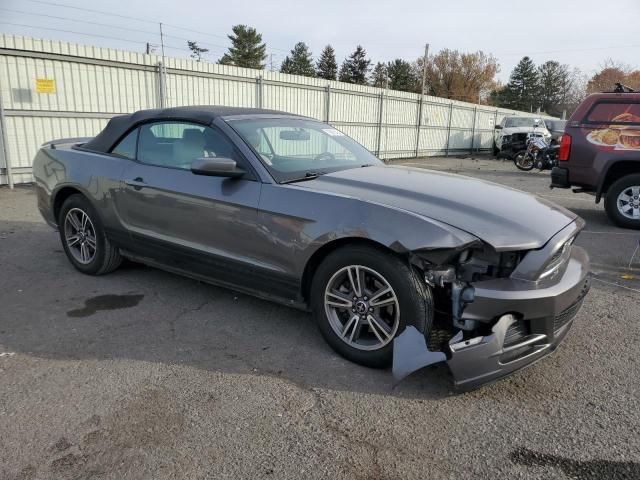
{"points": [[498, 126], [216, 167]]}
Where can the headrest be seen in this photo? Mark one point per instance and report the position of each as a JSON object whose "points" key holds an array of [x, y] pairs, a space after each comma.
{"points": [[193, 136]]}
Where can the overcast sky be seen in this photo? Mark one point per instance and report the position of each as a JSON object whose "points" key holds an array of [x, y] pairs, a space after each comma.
{"points": [[580, 33]]}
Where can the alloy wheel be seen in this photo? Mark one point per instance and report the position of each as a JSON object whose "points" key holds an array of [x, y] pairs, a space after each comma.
{"points": [[80, 236], [628, 202], [362, 307], [524, 161]]}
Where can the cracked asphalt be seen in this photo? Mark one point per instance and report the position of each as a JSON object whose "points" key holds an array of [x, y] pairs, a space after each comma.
{"points": [[142, 374]]}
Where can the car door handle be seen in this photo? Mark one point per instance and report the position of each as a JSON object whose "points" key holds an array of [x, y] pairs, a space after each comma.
{"points": [[137, 183]]}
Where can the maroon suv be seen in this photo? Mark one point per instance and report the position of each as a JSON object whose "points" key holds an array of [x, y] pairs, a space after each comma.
{"points": [[600, 154]]}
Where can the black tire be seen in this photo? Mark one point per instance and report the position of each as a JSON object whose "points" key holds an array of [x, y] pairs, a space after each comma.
{"points": [[414, 298], [106, 257], [611, 199], [521, 165]]}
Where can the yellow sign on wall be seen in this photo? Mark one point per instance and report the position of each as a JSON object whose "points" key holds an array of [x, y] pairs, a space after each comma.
{"points": [[45, 85]]}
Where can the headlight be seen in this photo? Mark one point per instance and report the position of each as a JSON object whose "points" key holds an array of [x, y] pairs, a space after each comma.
{"points": [[558, 258]]}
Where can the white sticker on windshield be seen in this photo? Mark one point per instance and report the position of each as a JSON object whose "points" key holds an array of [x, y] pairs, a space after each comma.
{"points": [[333, 132]]}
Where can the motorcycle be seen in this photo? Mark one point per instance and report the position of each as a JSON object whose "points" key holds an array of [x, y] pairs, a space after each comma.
{"points": [[547, 158], [538, 153]]}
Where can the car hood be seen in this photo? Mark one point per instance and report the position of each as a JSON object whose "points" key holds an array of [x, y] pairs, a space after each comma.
{"points": [[506, 218]]}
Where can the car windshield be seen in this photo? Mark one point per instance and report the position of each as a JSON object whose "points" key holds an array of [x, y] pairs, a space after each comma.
{"points": [[294, 149], [522, 122], [556, 125]]}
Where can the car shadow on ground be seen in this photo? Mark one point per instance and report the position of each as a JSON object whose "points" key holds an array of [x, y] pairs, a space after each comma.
{"points": [[144, 314]]}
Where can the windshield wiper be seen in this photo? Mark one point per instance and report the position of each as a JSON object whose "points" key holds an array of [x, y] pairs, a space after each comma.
{"points": [[307, 176]]}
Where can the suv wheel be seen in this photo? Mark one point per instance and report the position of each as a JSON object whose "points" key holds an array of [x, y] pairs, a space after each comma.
{"points": [[362, 298], [622, 202], [83, 238]]}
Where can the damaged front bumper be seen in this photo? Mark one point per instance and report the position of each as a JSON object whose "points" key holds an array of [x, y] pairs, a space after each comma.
{"points": [[532, 320]]}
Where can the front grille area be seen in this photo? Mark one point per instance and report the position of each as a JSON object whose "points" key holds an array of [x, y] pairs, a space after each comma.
{"points": [[567, 315], [516, 332]]}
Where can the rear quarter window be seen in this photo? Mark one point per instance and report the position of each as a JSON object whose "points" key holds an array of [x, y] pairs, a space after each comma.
{"points": [[126, 148], [614, 113]]}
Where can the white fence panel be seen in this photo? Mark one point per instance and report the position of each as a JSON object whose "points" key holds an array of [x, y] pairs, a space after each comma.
{"points": [[51, 89]]}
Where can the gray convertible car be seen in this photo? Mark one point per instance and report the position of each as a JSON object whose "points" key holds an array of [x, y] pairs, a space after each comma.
{"points": [[399, 266]]}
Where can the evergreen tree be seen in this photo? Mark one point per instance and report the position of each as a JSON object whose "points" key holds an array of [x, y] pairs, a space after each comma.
{"points": [[327, 67], [300, 62], [522, 91], [554, 85], [402, 76], [196, 50], [379, 77], [247, 49], [344, 75], [355, 68]]}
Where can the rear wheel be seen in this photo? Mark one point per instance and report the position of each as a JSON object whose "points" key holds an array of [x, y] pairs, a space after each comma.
{"points": [[83, 238], [523, 160], [622, 202], [363, 297]]}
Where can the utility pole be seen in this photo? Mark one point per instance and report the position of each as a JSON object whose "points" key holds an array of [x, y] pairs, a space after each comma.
{"points": [[162, 42], [424, 67], [271, 62], [163, 74], [421, 101]]}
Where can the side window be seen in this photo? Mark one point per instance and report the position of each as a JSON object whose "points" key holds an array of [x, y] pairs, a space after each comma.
{"points": [[178, 144], [127, 146]]}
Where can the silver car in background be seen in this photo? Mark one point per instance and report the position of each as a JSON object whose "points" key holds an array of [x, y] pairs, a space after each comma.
{"points": [[398, 265]]}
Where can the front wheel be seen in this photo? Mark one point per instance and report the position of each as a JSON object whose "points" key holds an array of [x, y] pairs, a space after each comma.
{"points": [[363, 297], [523, 160], [622, 202]]}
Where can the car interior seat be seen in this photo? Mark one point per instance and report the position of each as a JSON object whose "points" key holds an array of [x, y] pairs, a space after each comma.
{"points": [[150, 150], [190, 147]]}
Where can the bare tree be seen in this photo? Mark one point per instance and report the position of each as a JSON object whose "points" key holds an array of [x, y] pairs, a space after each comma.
{"points": [[460, 76], [612, 72]]}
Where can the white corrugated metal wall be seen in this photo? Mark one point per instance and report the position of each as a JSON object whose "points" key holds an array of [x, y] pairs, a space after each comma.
{"points": [[90, 85]]}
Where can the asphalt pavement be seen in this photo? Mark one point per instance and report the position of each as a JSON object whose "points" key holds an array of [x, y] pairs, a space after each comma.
{"points": [[142, 374]]}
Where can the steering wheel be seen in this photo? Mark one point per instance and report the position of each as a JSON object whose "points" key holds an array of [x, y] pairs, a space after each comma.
{"points": [[324, 157]]}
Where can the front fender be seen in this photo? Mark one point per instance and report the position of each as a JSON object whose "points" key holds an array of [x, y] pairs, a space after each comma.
{"points": [[399, 230], [306, 220]]}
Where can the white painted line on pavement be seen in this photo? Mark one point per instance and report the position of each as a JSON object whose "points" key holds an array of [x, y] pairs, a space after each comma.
{"points": [[609, 233], [616, 285]]}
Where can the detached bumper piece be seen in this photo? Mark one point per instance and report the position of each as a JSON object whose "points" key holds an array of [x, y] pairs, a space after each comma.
{"points": [[514, 344], [522, 338], [539, 316]]}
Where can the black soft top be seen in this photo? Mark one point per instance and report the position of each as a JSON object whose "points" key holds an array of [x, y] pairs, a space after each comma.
{"points": [[205, 114]]}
